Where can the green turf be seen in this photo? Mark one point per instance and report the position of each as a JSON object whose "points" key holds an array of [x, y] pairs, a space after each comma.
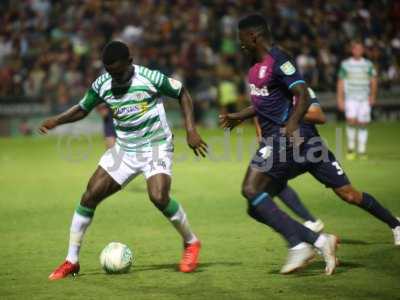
{"points": [[41, 181]]}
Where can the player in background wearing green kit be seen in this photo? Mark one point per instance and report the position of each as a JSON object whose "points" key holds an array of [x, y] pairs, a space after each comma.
{"points": [[356, 94], [143, 145]]}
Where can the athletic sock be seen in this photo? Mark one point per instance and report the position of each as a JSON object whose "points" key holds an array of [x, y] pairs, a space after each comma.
{"points": [[264, 210], [80, 222], [320, 242], [292, 200], [371, 205], [351, 137], [362, 138], [302, 245], [175, 213]]}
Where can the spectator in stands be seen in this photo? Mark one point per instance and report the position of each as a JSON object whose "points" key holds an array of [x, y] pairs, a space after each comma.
{"points": [[50, 46]]}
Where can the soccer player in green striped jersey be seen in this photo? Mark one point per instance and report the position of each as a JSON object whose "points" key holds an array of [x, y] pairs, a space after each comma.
{"points": [[144, 145], [356, 93]]}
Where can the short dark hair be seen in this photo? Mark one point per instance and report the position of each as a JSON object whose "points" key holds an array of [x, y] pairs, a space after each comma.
{"points": [[115, 51], [257, 23]]}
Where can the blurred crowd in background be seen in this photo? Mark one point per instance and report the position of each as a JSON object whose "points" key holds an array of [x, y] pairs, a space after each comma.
{"points": [[50, 50]]}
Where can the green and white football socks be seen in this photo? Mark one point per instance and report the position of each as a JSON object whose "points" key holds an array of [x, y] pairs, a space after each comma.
{"points": [[362, 138], [351, 138], [177, 216], [80, 222]]}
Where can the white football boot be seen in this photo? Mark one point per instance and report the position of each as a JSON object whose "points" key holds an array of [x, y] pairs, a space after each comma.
{"points": [[316, 226], [396, 234], [298, 258], [328, 251]]}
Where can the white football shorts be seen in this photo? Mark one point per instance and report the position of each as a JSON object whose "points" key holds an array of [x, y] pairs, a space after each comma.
{"points": [[358, 110], [124, 166]]}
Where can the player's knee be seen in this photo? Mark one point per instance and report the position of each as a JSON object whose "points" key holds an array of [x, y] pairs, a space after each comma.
{"points": [[351, 196], [159, 198], [88, 199], [249, 191]]}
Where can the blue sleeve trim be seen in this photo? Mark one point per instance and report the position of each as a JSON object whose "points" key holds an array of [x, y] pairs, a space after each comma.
{"points": [[296, 82]]}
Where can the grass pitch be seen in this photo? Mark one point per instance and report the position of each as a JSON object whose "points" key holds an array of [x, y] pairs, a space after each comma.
{"points": [[42, 178]]}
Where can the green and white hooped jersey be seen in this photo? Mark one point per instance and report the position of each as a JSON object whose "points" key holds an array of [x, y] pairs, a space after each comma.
{"points": [[357, 76], [138, 112]]}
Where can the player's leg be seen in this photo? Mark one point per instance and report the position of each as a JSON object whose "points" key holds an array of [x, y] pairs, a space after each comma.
{"points": [[113, 172], [364, 117], [100, 186], [158, 174], [368, 203], [158, 187], [292, 200], [256, 188], [351, 108], [330, 173]]}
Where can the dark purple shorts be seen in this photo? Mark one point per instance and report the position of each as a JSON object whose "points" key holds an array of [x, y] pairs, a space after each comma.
{"points": [[282, 164]]}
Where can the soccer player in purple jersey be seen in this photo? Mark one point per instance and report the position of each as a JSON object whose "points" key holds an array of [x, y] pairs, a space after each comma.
{"points": [[288, 195], [274, 80]]}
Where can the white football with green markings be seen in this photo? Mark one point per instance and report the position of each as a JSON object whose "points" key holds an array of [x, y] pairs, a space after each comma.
{"points": [[116, 258]]}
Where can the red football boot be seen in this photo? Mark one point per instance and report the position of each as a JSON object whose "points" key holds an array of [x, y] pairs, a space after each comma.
{"points": [[190, 257], [65, 269]]}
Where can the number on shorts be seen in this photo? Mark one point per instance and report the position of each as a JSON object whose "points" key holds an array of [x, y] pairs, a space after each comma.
{"points": [[338, 168], [265, 152]]}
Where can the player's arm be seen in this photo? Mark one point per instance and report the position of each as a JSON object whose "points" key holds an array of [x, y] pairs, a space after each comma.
{"points": [[340, 94], [340, 87], [315, 114], [300, 92], [373, 85], [75, 113], [230, 121], [288, 74], [173, 88], [258, 129], [193, 138]]}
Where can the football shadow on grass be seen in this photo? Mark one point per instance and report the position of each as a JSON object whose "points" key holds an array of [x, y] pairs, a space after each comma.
{"points": [[318, 269], [171, 267]]}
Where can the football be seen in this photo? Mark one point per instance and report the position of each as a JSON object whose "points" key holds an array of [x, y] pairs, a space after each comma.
{"points": [[116, 258]]}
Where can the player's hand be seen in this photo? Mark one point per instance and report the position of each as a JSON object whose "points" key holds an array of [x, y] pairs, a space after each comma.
{"points": [[292, 133], [229, 121], [196, 143], [289, 129], [48, 125], [372, 101]]}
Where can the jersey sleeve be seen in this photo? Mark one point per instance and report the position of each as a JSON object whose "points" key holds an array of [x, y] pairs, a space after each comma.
{"points": [[342, 74], [90, 100], [289, 74], [165, 85], [92, 95]]}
